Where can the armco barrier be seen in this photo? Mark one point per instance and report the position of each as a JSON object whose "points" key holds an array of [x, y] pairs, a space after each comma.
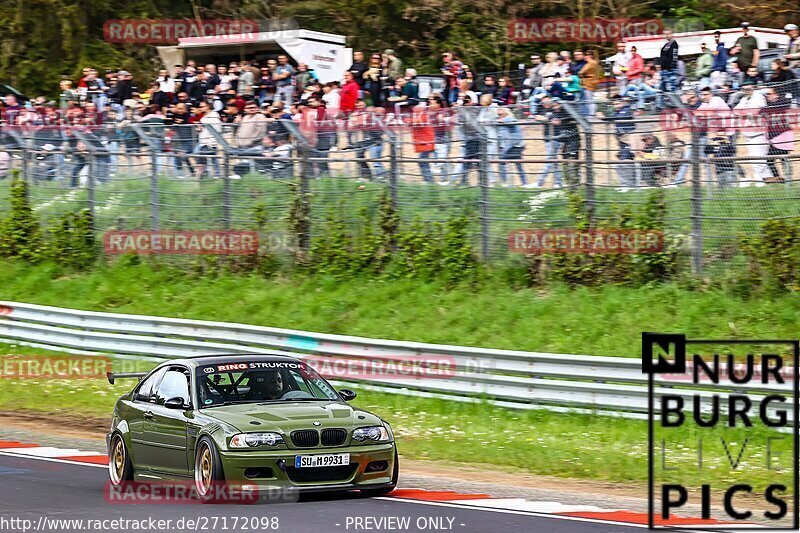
{"points": [[521, 379]]}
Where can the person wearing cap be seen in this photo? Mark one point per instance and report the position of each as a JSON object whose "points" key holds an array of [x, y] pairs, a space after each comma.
{"points": [[749, 53], [792, 54], [751, 104]]}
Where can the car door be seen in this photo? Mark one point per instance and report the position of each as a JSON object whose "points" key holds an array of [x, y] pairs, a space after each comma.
{"points": [[143, 401], [166, 431]]}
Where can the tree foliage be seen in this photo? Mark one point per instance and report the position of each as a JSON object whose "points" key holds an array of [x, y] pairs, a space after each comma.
{"points": [[42, 40]]}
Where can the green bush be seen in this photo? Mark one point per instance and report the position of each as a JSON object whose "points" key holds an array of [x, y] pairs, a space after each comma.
{"points": [[772, 256]]}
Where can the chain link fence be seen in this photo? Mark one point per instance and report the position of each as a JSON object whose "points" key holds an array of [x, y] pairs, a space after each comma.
{"points": [[506, 168]]}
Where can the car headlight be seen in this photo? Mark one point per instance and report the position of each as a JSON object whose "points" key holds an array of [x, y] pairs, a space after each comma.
{"points": [[374, 433], [251, 440]]}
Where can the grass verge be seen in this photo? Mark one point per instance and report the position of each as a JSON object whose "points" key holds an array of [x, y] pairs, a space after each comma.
{"points": [[599, 321]]}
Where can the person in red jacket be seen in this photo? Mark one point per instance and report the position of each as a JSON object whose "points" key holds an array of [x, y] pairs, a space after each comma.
{"points": [[423, 136], [635, 67], [348, 95]]}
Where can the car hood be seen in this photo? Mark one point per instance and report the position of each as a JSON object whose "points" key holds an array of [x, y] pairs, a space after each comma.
{"points": [[289, 416]]}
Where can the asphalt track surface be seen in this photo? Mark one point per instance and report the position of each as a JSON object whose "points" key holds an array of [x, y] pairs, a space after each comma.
{"points": [[34, 488]]}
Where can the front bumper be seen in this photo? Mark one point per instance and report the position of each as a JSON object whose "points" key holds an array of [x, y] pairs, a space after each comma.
{"points": [[238, 464]]}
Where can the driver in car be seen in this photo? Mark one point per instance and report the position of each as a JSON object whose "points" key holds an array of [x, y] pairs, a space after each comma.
{"points": [[266, 386]]}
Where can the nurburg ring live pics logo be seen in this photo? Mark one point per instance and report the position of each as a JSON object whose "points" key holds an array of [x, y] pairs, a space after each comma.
{"points": [[722, 433]]}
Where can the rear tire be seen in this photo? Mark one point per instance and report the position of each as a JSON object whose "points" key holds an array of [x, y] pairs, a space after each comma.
{"points": [[208, 474], [120, 468], [383, 491]]}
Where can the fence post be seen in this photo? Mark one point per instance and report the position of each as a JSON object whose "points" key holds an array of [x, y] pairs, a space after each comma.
{"points": [[696, 200], [155, 215], [304, 226], [590, 203], [394, 171], [226, 190], [483, 202], [91, 150], [583, 123], [155, 211], [697, 207], [90, 183]]}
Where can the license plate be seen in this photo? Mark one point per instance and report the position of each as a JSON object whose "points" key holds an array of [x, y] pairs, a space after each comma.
{"points": [[329, 459]]}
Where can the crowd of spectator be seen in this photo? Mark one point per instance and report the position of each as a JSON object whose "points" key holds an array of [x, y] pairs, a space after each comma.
{"points": [[248, 104]]}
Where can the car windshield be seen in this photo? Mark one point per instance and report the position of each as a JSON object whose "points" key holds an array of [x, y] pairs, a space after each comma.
{"points": [[260, 382]]}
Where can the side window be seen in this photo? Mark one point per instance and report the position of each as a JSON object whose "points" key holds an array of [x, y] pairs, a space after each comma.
{"points": [[174, 385], [145, 391], [299, 383]]}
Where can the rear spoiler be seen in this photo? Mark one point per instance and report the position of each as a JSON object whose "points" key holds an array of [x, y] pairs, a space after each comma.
{"points": [[111, 376]]}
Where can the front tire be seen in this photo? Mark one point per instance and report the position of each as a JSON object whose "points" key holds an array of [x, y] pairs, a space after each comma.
{"points": [[120, 468], [383, 491], [208, 474]]}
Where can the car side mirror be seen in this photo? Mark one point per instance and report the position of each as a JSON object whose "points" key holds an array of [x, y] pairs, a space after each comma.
{"points": [[347, 395], [175, 403]]}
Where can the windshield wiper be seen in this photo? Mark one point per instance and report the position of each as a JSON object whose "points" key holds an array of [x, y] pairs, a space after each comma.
{"points": [[231, 402]]}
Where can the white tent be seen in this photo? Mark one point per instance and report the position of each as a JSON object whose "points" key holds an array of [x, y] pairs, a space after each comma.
{"points": [[326, 53], [649, 47]]}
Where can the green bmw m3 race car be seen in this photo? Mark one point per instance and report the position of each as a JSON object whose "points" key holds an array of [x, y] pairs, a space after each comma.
{"points": [[258, 421]]}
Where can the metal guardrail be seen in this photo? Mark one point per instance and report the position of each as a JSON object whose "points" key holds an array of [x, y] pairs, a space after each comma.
{"points": [[507, 377]]}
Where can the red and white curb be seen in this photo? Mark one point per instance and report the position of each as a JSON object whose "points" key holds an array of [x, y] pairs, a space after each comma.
{"points": [[67, 455], [421, 496]]}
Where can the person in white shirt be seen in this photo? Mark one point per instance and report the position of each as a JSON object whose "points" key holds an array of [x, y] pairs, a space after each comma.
{"points": [[206, 141], [331, 98], [619, 67], [225, 80], [746, 115]]}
